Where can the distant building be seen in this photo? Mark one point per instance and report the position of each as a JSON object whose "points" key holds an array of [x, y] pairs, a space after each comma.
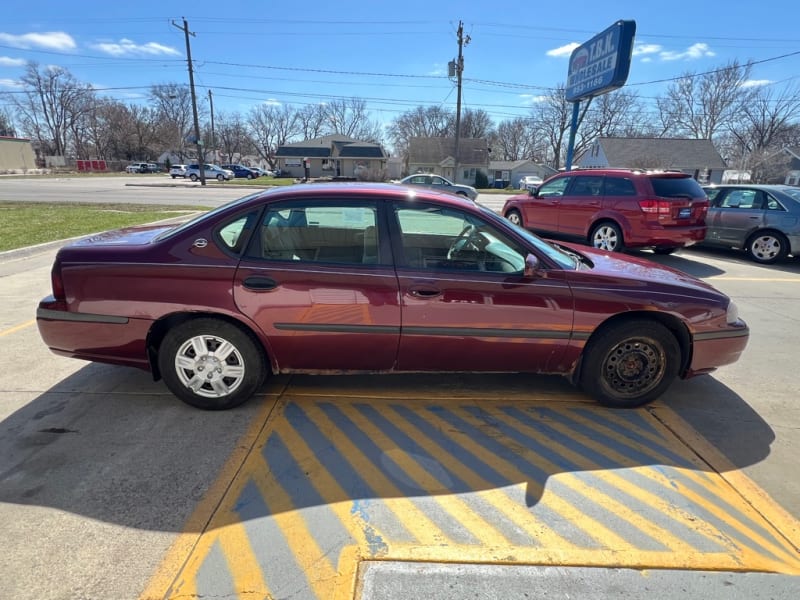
{"points": [[435, 155], [793, 174], [504, 173], [698, 158], [332, 156], [16, 155]]}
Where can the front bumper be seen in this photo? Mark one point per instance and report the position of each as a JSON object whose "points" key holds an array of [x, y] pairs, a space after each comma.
{"points": [[711, 350]]}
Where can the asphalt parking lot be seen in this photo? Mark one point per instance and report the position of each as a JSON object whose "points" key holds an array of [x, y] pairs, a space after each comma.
{"points": [[401, 486]]}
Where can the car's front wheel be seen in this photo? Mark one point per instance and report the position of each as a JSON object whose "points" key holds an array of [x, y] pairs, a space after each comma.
{"points": [[767, 247], [220, 177], [630, 364], [607, 236], [514, 217], [211, 364], [193, 177]]}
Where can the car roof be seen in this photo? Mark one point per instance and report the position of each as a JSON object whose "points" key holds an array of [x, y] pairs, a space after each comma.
{"points": [[357, 189]]}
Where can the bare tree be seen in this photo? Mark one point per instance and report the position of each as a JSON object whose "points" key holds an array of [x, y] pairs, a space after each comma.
{"points": [[351, 118], [311, 121], [172, 102], [53, 101], [476, 123], [6, 124], [551, 121], [701, 106], [513, 140], [232, 136], [270, 127], [423, 121]]}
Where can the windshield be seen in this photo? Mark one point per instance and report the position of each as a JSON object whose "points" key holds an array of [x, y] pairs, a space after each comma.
{"points": [[561, 258], [202, 217]]}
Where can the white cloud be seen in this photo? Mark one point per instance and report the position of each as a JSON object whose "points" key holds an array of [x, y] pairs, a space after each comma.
{"points": [[6, 61], [272, 102], [756, 83], [643, 49], [563, 51], [530, 99], [129, 47], [52, 40], [695, 51], [11, 83]]}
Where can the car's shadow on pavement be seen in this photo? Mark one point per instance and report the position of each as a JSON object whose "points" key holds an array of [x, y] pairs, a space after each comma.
{"points": [[692, 261], [109, 444]]}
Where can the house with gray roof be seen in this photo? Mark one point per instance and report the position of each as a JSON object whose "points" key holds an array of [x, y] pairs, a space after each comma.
{"points": [[436, 155], [332, 156], [793, 174], [504, 173], [698, 158]]}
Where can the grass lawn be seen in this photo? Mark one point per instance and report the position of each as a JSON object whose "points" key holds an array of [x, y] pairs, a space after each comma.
{"points": [[29, 223]]}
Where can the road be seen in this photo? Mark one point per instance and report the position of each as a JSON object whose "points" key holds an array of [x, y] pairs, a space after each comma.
{"points": [[110, 487]]}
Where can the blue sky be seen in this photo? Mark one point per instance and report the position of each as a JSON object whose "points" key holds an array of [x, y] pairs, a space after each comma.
{"points": [[392, 54]]}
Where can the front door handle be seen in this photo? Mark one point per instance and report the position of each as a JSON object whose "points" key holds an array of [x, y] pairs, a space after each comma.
{"points": [[259, 283], [421, 292]]}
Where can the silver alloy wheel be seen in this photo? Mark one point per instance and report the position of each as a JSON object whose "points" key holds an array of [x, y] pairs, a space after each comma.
{"points": [[210, 366], [514, 218], [766, 248], [606, 237]]}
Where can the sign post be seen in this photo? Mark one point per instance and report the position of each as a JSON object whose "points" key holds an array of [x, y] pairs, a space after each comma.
{"points": [[597, 67]]}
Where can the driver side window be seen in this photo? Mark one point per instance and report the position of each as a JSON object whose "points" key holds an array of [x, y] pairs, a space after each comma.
{"points": [[435, 238]]}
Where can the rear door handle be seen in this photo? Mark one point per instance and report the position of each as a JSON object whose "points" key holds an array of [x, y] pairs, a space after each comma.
{"points": [[259, 283]]}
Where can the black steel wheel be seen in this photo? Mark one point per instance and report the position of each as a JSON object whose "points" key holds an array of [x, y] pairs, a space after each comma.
{"points": [[630, 364]]}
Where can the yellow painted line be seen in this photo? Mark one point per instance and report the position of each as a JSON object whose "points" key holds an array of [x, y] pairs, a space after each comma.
{"points": [[17, 328], [786, 525], [481, 530], [184, 545], [726, 491], [410, 516]]}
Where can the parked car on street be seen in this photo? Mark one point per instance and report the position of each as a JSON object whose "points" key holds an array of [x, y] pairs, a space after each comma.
{"points": [[137, 168], [763, 220], [614, 209], [437, 182], [153, 168], [176, 171], [241, 171], [328, 278], [210, 172], [529, 182]]}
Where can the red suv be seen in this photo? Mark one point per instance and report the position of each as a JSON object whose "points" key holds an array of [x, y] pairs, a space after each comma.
{"points": [[614, 209]]}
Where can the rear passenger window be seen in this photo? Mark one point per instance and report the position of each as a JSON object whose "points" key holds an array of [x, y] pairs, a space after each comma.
{"points": [[327, 234], [619, 186], [589, 185]]}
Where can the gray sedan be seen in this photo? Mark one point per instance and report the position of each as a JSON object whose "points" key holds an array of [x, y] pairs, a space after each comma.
{"points": [[764, 220], [437, 182]]}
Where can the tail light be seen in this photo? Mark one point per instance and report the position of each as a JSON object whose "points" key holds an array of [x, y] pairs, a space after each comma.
{"points": [[656, 207], [57, 281]]}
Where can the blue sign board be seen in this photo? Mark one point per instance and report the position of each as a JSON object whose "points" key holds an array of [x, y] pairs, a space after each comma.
{"points": [[601, 64]]}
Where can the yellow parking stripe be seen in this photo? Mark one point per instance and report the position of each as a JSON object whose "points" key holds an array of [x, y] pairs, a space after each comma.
{"points": [[17, 328], [411, 517]]}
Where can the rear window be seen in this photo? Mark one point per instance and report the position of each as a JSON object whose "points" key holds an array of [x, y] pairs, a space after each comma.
{"points": [[677, 187]]}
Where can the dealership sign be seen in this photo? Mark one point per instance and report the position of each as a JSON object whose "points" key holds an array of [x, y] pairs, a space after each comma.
{"points": [[601, 64]]}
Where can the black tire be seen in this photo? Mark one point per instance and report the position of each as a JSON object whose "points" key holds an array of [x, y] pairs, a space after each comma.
{"points": [[228, 381], [251, 176], [607, 236], [220, 177], [664, 251], [630, 364], [515, 217], [193, 177], [767, 247]]}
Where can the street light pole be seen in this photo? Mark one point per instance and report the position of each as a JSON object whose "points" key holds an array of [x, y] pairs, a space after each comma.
{"points": [[198, 140]]}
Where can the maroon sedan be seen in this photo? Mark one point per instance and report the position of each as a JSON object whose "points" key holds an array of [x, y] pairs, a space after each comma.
{"points": [[377, 278]]}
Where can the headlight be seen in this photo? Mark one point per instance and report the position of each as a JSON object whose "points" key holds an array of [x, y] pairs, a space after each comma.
{"points": [[732, 315]]}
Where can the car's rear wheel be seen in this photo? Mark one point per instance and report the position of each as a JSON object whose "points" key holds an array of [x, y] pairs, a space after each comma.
{"points": [[630, 364], [211, 364], [607, 236], [767, 247], [514, 217]]}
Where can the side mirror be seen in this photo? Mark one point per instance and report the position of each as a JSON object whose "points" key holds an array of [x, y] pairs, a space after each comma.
{"points": [[531, 266], [532, 190]]}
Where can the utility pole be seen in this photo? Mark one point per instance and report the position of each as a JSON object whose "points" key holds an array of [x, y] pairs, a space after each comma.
{"points": [[459, 69], [201, 159], [213, 138]]}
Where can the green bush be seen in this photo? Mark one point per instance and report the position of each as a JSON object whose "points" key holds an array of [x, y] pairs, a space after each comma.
{"points": [[481, 180]]}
